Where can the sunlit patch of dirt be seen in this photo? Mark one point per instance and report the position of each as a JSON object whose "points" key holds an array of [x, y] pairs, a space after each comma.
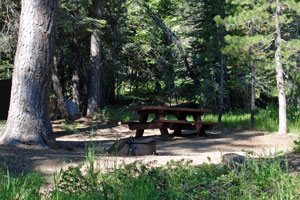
{"points": [[73, 138]]}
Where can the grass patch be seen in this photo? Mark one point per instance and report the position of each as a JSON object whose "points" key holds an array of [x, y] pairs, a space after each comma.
{"points": [[255, 179], [260, 178], [233, 119], [119, 113], [22, 187]]}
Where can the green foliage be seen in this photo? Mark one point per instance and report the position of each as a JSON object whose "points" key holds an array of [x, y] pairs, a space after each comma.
{"points": [[255, 178], [9, 25], [140, 63], [262, 178], [22, 187], [296, 147], [118, 113]]}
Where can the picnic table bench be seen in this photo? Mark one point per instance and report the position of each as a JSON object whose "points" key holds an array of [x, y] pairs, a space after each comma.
{"points": [[160, 122]]}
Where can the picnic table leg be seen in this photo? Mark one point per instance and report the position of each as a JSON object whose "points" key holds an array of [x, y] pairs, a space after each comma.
{"points": [[165, 134], [178, 128], [143, 119], [163, 131], [199, 128]]}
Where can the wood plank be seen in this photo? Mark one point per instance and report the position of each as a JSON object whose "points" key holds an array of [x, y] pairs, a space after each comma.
{"points": [[156, 125], [189, 122], [189, 125], [148, 109], [180, 122]]}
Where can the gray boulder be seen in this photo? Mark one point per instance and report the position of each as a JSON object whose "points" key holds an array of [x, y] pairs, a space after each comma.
{"points": [[73, 108], [233, 160]]}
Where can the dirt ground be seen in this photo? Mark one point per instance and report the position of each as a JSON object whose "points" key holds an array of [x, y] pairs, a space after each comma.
{"points": [[72, 140]]}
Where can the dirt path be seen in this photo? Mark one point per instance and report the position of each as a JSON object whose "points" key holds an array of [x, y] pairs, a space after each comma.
{"points": [[73, 137]]}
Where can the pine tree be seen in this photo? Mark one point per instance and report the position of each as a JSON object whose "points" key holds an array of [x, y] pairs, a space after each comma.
{"points": [[253, 24]]}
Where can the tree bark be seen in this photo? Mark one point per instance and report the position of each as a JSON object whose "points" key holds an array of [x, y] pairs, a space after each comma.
{"points": [[29, 119], [252, 94], [282, 129], [75, 75], [58, 92], [94, 85], [75, 86], [221, 97]]}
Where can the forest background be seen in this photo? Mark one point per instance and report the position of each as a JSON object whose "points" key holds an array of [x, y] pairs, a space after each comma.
{"points": [[223, 55]]}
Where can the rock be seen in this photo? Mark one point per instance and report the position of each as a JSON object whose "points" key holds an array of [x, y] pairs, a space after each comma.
{"points": [[133, 147], [232, 159], [73, 108]]}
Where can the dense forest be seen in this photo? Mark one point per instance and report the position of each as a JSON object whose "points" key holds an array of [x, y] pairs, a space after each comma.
{"points": [[99, 61], [222, 55]]}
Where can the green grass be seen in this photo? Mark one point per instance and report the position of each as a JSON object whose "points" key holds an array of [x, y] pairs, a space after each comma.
{"points": [[260, 178], [119, 113], [255, 179], [22, 187]]}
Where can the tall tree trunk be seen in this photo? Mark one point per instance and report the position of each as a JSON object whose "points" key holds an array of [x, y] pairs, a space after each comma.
{"points": [[75, 76], [221, 97], [108, 72], [279, 76], [252, 93], [94, 85], [75, 86], [29, 118], [58, 91]]}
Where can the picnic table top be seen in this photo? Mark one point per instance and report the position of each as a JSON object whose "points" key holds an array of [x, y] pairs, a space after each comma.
{"points": [[170, 109]]}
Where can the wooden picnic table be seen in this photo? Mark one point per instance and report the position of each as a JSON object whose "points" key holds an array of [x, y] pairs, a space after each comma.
{"points": [[160, 122]]}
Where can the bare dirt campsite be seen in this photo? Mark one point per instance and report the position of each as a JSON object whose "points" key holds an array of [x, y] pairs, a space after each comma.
{"points": [[74, 138]]}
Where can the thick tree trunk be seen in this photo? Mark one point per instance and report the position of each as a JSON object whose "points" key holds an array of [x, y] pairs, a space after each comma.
{"points": [[252, 94], [279, 77], [58, 92], [94, 85], [29, 119]]}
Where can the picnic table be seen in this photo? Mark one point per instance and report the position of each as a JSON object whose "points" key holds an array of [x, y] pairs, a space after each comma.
{"points": [[160, 122]]}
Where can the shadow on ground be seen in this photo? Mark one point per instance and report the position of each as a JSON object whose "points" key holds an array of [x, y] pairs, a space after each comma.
{"points": [[74, 138]]}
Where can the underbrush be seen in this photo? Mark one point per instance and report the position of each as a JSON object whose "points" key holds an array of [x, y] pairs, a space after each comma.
{"points": [[255, 179], [260, 178]]}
